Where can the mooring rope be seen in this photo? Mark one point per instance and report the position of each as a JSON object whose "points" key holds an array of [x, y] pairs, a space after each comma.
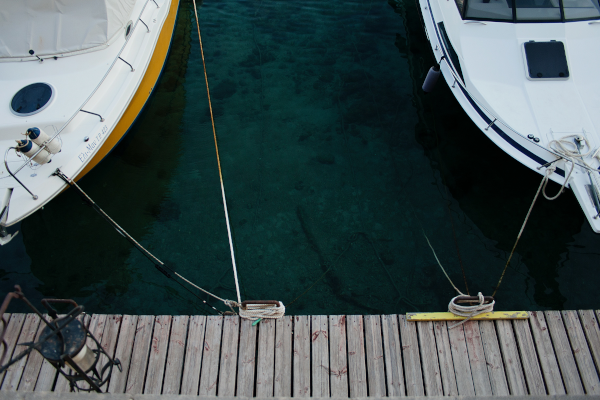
{"points": [[541, 188], [162, 267], [462, 311], [264, 311]]}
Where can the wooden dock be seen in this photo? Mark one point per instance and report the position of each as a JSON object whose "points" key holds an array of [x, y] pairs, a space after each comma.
{"points": [[552, 353]]}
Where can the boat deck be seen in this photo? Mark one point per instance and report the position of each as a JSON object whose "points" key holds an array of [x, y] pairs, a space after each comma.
{"points": [[339, 356]]}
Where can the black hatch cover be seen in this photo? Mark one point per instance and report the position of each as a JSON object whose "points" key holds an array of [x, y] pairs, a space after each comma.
{"points": [[546, 60]]}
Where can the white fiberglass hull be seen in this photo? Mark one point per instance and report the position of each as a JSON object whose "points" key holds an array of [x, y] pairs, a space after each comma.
{"points": [[98, 96], [520, 116]]}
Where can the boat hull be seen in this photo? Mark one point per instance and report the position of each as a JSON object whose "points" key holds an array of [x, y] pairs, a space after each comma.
{"points": [[528, 150], [87, 137], [143, 93]]}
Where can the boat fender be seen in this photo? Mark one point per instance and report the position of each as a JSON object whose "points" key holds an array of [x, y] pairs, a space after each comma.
{"points": [[29, 148], [431, 78], [40, 138]]}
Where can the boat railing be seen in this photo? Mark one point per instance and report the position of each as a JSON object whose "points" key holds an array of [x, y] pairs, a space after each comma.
{"points": [[495, 119], [80, 109]]}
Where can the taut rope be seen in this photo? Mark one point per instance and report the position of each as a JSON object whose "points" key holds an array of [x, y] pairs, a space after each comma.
{"points": [[250, 310]]}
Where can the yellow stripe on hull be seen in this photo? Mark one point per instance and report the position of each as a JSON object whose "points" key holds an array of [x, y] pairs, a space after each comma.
{"points": [[446, 316], [144, 90]]}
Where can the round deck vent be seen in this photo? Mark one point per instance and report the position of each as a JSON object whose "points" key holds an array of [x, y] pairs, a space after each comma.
{"points": [[32, 99]]}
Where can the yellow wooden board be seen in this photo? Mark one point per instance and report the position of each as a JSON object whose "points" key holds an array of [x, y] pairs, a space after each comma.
{"points": [[446, 316]]}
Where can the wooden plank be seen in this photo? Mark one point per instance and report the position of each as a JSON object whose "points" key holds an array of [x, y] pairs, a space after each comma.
{"points": [[529, 358], [357, 371], [109, 341], [392, 355], [34, 364], [193, 355], [123, 352], [301, 372], [460, 357], [96, 328], [338, 361], [11, 336], [374, 356], [46, 378], [319, 338], [283, 357], [589, 322], [583, 357], [493, 358], [512, 362], [447, 316], [247, 358], [158, 354], [211, 356], [229, 352], [479, 372], [410, 356], [139, 356], [265, 363], [442, 340], [563, 352], [431, 367], [176, 355], [545, 351], [15, 371]]}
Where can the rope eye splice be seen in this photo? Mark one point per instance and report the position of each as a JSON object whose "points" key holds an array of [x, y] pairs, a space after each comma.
{"points": [[486, 305]]}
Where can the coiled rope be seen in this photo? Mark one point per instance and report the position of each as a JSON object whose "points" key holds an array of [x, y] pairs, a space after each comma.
{"points": [[463, 311], [252, 311]]}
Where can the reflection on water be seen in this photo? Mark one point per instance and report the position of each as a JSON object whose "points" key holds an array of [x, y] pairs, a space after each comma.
{"points": [[334, 164]]}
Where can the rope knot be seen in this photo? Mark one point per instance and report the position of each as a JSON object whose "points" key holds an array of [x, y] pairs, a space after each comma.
{"points": [[471, 310]]}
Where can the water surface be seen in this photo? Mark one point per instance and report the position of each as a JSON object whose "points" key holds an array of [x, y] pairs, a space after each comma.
{"points": [[334, 164]]}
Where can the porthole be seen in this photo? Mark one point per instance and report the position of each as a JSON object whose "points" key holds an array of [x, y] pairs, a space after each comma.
{"points": [[128, 30], [32, 99]]}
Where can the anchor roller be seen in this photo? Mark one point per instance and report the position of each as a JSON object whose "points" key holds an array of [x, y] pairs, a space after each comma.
{"points": [[431, 78], [29, 148], [41, 138]]}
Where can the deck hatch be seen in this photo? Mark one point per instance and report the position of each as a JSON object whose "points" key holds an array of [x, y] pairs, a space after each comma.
{"points": [[31, 99], [546, 60]]}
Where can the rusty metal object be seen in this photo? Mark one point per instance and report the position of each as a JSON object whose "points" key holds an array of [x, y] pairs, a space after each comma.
{"points": [[53, 343], [474, 299], [246, 303]]}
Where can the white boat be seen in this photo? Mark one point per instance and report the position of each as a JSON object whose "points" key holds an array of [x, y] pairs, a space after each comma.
{"points": [[525, 73], [74, 75]]}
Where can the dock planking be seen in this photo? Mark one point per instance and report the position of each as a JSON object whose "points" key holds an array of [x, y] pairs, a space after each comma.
{"points": [[328, 356]]}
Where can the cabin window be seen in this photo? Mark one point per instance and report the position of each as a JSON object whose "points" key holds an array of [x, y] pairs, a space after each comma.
{"points": [[451, 52], [530, 10], [31, 99], [538, 10], [581, 9], [489, 10]]}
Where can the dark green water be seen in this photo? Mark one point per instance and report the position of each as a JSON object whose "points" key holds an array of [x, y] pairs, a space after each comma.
{"points": [[333, 160]]}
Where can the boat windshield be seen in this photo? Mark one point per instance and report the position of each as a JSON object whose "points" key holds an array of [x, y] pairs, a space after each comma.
{"points": [[529, 10]]}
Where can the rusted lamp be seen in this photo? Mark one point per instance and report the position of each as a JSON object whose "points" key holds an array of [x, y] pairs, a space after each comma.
{"points": [[64, 342]]}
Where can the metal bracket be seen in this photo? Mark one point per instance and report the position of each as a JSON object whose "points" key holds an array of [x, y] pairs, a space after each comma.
{"points": [[127, 64], [89, 112], [145, 25], [491, 123]]}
